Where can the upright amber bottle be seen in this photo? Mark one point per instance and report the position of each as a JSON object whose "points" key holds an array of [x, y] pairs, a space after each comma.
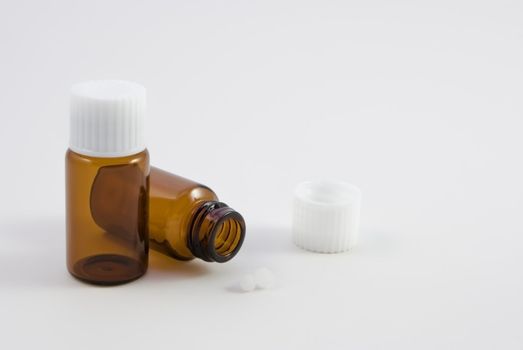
{"points": [[107, 164], [186, 220]]}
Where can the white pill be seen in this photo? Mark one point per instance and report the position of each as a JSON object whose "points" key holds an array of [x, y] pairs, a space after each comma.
{"points": [[247, 283], [264, 278]]}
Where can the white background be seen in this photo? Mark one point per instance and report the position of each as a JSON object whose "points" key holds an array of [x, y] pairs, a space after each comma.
{"points": [[419, 103]]}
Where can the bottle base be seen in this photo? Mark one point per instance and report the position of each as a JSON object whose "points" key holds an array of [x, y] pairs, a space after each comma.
{"points": [[108, 269]]}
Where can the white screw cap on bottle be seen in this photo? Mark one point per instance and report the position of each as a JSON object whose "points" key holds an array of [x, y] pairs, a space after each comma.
{"points": [[326, 216], [107, 118]]}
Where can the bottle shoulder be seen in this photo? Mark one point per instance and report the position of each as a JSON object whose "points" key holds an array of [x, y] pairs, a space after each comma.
{"points": [[201, 193], [140, 158]]}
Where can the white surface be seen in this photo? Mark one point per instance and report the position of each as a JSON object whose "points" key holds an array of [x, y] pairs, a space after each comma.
{"points": [[326, 216], [107, 118], [417, 103]]}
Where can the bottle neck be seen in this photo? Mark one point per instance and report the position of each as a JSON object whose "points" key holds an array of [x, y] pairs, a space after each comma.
{"points": [[216, 232]]}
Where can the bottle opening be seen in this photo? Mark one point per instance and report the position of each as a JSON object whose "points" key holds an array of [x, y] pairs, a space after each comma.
{"points": [[228, 237], [217, 232]]}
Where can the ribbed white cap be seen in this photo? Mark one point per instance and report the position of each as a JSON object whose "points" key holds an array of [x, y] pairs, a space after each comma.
{"points": [[107, 118], [326, 216]]}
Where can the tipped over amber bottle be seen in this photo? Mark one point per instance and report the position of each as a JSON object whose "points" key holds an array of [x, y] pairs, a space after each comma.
{"points": [[107, 183], [186, 220]]}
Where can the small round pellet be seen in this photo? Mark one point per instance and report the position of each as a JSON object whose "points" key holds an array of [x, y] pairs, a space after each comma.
{"points": [[247, 283], [264, 278]]}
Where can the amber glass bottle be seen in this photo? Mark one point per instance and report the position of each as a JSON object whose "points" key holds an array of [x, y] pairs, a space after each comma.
{"points": [[107, 183], [186, 220]]}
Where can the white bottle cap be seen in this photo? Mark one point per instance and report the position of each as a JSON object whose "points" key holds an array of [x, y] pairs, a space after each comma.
{"points": [[326, 216], [107, 118]]}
